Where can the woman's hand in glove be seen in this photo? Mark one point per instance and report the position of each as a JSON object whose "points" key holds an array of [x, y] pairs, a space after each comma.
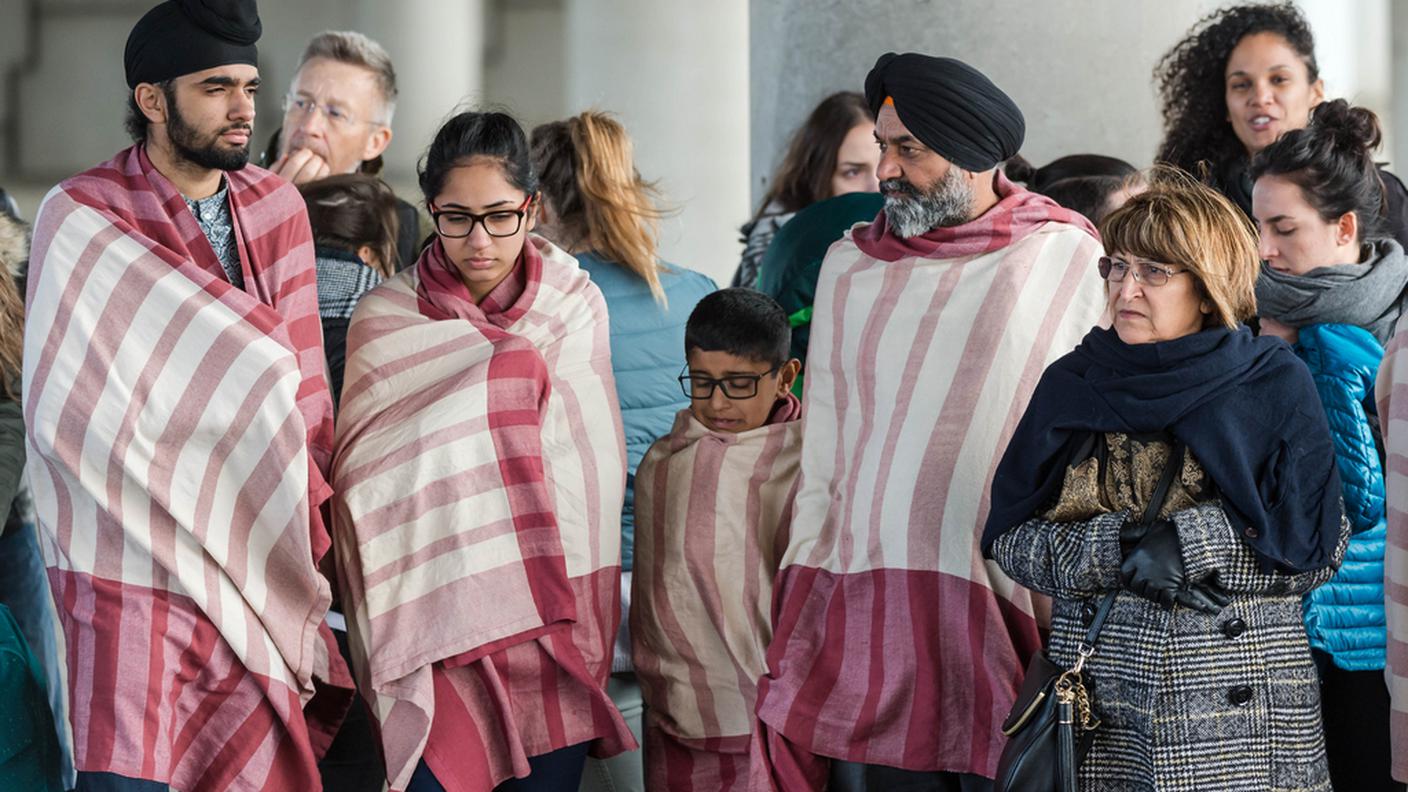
{"points": [[1153, 569]]}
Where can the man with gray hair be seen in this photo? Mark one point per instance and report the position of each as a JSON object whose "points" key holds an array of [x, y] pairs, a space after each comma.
{"points": [[337, 119]]}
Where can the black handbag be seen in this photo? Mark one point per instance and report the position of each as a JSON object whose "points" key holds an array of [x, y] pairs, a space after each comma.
{"points": [[1044, 748]]}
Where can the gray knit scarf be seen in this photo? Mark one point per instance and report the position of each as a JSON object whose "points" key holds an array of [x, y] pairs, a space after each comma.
{"points": [[1370, 295]]}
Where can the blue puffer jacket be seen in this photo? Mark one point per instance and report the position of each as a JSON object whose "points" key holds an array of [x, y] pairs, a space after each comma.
{"points": [[1345, 617], [647, 355]]}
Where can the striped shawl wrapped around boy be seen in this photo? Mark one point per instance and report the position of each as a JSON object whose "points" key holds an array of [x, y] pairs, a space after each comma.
{"points": [[895, 642], [480, 470], [178, 431], [712, 513]]}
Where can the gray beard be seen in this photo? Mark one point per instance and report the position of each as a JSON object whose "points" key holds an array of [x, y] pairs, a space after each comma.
{"points": [[913, 213]]}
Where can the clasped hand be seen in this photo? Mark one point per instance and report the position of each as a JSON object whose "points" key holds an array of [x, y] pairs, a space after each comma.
{"points": [[1153, 569]]}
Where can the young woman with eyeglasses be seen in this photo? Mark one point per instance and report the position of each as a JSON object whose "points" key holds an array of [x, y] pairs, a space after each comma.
{"points": [[479, 477]]}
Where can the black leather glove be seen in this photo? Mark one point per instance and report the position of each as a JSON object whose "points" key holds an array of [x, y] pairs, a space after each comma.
{"points": [[1153, 568], [1205, 595]]}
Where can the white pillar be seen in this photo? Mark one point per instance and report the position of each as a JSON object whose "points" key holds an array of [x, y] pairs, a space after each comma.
{"points": [[438, 50], [676, 73], [1353, 50]]}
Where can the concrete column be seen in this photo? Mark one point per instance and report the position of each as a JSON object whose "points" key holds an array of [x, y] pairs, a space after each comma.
{"points": [[438, 49], [676, 73], [1398, 88], [1353, 49]]}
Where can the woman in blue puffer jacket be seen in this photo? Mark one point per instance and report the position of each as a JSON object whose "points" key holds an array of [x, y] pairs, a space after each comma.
{"points": [[1333, 286], [596, 206]]}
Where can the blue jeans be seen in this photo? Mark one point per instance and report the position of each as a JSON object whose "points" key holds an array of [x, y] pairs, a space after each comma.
{"points": [[551, 772], [110, 782]]}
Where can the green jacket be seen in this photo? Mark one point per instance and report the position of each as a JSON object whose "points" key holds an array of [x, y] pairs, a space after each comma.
{"points": [[29, 750]]}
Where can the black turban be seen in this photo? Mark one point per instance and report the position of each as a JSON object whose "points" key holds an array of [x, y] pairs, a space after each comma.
{"points": [[950, 107], [183, 36]]}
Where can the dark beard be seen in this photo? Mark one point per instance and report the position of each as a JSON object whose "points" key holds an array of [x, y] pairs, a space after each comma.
{"points": [[203, 151]]}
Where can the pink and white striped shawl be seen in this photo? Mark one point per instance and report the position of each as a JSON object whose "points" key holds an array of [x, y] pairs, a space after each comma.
{"points": [[895, 643], [1392, 395], [712, 511], [480, 470], [175, 425]]}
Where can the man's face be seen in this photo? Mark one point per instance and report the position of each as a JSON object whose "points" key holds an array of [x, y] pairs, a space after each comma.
{"points": [[922, 190], [343, 118], [210, 116]]}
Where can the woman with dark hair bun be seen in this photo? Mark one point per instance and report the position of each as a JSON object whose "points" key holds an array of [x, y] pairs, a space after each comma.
{"points": [[479, 475], [832, 153], [1241, 78], [1333, 285]]}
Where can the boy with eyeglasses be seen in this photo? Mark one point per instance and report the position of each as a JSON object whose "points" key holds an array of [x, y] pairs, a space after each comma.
{"points": [[713, 503]]}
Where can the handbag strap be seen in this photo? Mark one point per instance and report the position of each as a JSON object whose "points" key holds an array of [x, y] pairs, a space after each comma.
{"points": [[1171, 469], [1151, 513]]}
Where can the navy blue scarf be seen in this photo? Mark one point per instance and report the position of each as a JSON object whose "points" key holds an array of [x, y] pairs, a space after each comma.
{"points": [[1245, 407]]}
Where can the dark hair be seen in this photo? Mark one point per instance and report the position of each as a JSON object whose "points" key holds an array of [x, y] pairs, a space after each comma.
{"points": [[136, 122], [472, 134], [1072, 166], [742, 322], [1089, 195], [1332, 162], [804, 177], [350, 210], [1192, 77]]}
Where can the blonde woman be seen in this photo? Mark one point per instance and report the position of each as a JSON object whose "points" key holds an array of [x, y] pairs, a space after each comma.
{"points": [[597, 207]]}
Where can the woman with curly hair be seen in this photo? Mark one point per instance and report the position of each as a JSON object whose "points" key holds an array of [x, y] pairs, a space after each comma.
{"points": [[1241, 78]]}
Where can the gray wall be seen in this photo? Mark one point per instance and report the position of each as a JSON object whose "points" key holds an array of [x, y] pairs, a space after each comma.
{"points": [[1080, 69]]}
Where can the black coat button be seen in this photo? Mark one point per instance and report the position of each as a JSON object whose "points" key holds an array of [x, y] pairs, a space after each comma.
{"points": [[1087, 613], [1240, 695], [1233, 628], [1251, 533]]}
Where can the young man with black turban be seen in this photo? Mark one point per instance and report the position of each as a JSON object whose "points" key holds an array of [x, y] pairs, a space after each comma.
{"points": [[179, 428], [897, 649]]}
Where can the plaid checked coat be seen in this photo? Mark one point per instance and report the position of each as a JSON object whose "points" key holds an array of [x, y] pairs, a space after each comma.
{"points": [[1187, 701]]}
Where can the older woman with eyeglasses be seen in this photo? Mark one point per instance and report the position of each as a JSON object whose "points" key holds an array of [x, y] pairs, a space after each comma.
{"points": [[479, 477], [1201, 677]]}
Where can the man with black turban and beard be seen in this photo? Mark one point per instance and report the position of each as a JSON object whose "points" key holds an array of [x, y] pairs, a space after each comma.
{"points": [[179, 426], [897, 649]]}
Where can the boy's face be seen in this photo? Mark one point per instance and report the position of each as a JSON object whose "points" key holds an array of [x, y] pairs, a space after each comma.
{"points": [[737, 375]]}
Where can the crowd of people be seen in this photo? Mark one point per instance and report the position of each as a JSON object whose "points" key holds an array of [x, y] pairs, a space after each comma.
{"points": [[310, 486]]}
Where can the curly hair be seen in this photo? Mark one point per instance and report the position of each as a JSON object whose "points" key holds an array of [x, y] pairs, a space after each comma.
{"points": [[1191, 79]]}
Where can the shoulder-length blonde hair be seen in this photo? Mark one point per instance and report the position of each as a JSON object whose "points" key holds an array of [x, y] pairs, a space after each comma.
{"points": [[599, 200], [1182, 222]]}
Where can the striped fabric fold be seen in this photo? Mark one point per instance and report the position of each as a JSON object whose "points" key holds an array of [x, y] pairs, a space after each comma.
{"points": [[1391, 392], [895, 643], [712, 511], [176, 426], [480, 471]]}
